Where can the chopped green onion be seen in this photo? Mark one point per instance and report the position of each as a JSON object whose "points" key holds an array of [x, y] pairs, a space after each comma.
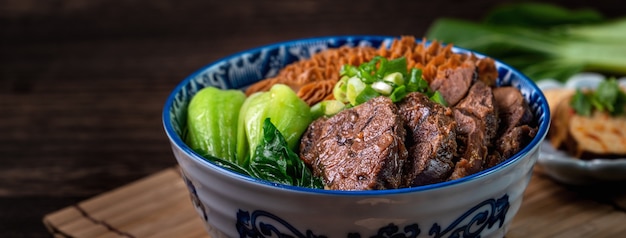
{"points": [[365, 95], [380, 76], [382, 87], [366, 73], [339, 91], [395, 78], [398, 93], [327, 108], [438, 98], [349, 70], [332, 107], [317, 110], [416, 82], [397, 65], [354, 87]]}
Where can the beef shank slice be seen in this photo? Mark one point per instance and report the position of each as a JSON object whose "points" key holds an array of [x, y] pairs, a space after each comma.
{"points": [[454, 83], [360, 148], [512, 108], [516, 126], [477, 126], [431, 140]]}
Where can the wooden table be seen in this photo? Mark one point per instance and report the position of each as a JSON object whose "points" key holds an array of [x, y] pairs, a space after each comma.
{"points": [[159, 206], [82, 83]]}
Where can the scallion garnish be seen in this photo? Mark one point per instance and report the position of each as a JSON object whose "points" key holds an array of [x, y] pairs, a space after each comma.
{"points": [[380, 76]]}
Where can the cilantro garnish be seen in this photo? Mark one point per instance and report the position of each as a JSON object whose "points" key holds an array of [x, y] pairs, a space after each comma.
{"points": [[608, 97]]}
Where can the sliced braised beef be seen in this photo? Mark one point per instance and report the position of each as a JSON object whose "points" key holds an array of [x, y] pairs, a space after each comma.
{"points": [[471, 149], [361, 148], [431, 140], [487, 71], [516, 126], [477, 125], [308, 144], [453, 83], [512, 141], [380, 145], [512, 108]]}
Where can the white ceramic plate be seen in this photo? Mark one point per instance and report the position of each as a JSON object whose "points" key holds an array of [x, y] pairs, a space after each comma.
{"points": [[568, 169]]}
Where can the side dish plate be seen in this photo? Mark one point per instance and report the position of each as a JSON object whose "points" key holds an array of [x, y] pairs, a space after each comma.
{"points": [[567, 169]]}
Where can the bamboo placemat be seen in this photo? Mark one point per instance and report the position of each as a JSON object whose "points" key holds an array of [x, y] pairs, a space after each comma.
{"points": [[159, 206]]}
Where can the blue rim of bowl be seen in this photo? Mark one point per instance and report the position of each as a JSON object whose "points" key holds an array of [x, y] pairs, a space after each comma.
{"points": [[177, 140]]}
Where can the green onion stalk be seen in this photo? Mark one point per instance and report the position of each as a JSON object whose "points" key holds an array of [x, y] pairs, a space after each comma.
{"points": [[562, 43]]}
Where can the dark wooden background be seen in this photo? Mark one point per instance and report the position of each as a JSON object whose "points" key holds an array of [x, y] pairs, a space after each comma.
{"points": [[82, 82]]}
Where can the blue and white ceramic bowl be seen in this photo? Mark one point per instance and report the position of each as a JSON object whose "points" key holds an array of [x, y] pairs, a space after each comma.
{"points": [[233, 205]]}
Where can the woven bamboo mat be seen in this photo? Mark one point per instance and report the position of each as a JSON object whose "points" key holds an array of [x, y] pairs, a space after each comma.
{"points": [[159, 206]]}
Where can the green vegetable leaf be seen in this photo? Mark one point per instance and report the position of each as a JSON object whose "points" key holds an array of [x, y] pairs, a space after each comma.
{"points": [[607, 97], [290, 114], [233, 166], [607, 94], [543, 41], [581, 103], [274, 161], [541, 15], [608, 32], [212, 117]]}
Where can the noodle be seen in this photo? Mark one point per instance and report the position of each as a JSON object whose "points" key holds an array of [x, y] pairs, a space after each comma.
{"points": [[317, 91], [313, 79]]}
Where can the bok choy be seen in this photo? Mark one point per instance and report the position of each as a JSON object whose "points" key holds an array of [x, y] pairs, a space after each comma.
{"points": [[290, 114], [274, 161], [255, 136], [212, 117]]}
